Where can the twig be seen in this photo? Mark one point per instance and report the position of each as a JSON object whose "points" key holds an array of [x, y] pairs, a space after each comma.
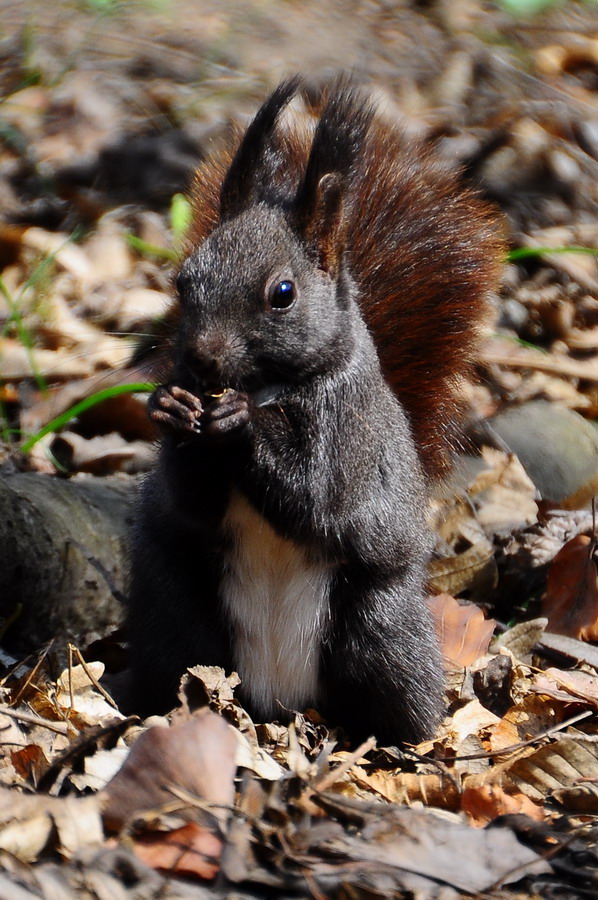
{"points": [[568, 368], [32, 719], [514, 747], [332, 777], [75, 650]]}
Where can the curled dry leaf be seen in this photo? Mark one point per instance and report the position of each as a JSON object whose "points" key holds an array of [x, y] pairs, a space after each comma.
{"points": [[32, 823], [463, 631], [571, 599], [210, 684], [29, 762], [470, 719], [249, 755], [77, 694], [503, 494], [102, 455], [521, 638], [580, 651], [473, 569]]}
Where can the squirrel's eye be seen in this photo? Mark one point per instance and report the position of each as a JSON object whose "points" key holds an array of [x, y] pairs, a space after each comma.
{"points": [[282, 295]]}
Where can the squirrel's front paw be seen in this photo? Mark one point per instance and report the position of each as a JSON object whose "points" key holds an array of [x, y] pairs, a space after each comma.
{"points": [[228, 415], [175, 409]]}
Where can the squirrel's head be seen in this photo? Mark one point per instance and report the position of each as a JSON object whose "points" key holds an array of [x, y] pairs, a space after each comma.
{"points": [[266, 297], [255, 308]]}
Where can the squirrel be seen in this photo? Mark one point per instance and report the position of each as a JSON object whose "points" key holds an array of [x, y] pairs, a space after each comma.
{"points": [[328, 307]]}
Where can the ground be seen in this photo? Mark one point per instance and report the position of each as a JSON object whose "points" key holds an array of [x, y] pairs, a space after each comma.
{"points": [[106, 110]]}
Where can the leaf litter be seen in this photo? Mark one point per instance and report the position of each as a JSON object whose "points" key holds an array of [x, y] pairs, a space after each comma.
{"points": [[206, 802]]}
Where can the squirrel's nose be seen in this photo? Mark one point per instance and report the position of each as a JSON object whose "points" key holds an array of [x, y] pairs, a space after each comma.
{"points": [[214, 358]]}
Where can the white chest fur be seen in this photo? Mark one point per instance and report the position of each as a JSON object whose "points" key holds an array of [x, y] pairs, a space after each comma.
{"points": [[278, 603]]}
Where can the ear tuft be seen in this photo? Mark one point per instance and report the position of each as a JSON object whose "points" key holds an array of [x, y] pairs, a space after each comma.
{"points": [[254, 164], [336, 149]]}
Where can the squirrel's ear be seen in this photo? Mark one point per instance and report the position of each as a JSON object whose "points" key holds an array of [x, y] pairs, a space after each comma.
{"points": [[325, 231], [333, 159], [257, 159]]}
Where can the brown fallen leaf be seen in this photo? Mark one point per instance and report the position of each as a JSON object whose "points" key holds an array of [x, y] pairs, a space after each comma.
{"points": [[406, 788], [473, 569], [197, 757], [582, 685], [532, 716], [562, 764], [167, 771], [485, 802], [30, 762], [571, 600], [463, 631], [471, 719]]}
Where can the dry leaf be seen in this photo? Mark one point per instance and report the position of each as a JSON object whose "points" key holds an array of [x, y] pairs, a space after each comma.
{"points": [[197, 756], [29, 762], [90, 706], [463, 631], [561, 764], [571, 599], [527, 719], [472, 569], [504, 495], [582, 799], [470, 719], [248, 755], [30, 823], [405, 788], [190, 850], [485, 802], [582, 685], [521, 638]]}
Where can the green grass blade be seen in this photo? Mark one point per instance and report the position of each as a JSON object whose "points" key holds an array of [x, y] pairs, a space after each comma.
{"points": [[80, 407], [151, 249], [181, 216], [532, 252]]}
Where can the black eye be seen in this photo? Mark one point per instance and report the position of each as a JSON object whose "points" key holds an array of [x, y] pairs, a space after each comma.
{"points": [[283, 295]]}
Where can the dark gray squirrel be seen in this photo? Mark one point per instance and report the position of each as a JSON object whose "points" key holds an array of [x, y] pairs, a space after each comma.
{"points": [[327, 311]]}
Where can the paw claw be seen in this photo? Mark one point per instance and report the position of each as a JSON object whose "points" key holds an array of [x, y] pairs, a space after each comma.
{"points": [[175, 409]]}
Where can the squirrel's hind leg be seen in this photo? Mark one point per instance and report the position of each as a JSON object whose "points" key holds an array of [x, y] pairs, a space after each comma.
{"points": [[383, 671]]}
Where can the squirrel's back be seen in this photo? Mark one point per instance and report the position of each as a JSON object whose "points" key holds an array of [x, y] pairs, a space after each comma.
{"points": [[423, 249]]}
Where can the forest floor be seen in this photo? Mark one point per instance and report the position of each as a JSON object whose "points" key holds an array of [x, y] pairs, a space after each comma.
{"points": [[106, 108]]}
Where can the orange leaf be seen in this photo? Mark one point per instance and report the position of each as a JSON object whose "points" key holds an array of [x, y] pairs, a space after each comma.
{"points": [[30, 762], [190, 850], [487, 801], [463, 631], [571, 600]]}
